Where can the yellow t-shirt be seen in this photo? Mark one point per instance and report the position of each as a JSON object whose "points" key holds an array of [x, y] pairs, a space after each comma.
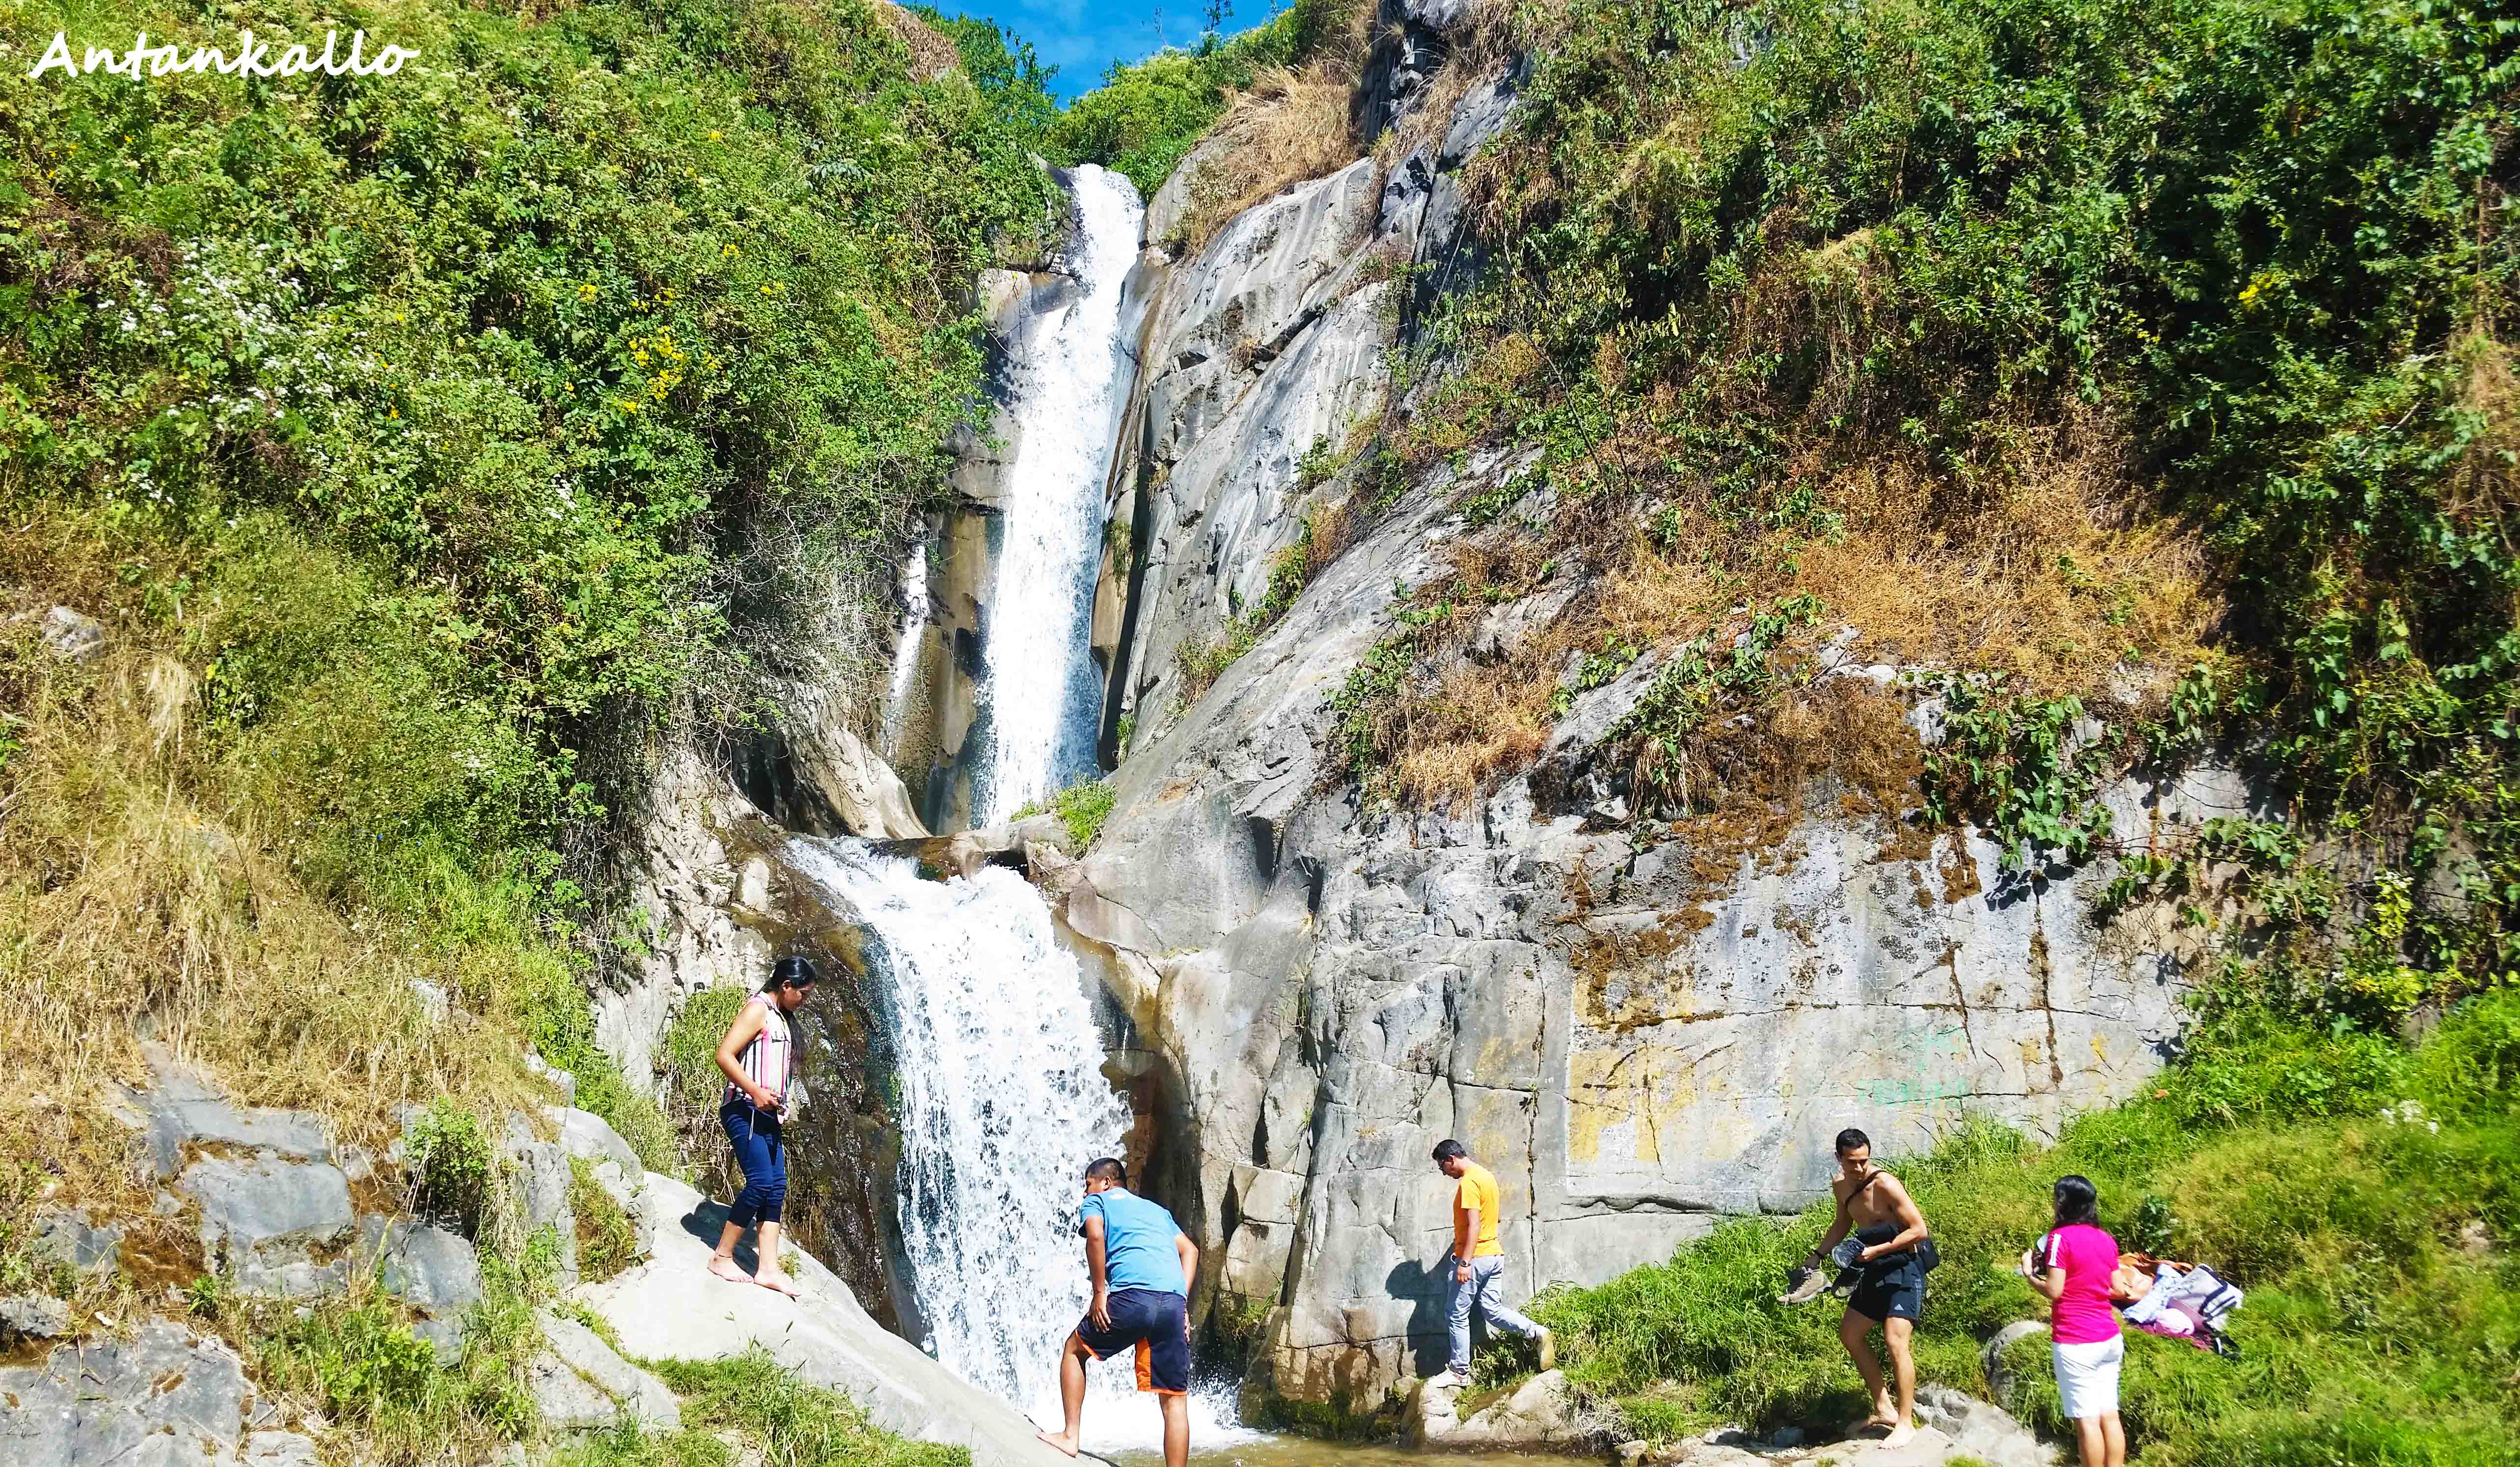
{"points": [[1478, 1190]]}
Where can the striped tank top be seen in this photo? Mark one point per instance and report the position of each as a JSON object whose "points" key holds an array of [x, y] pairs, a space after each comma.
{"points": [[771, 1058]]}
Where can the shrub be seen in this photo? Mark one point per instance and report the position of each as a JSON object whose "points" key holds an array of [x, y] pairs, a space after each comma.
{"points": [[448, 1159]]}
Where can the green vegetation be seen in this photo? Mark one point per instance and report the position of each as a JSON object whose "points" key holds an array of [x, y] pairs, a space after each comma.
{"points": [[607, 1240], [2361, 1193], [448, 1159], [356, 1360], [1081, 808], [424, 442], [1147, 115], [787, 1423], [2069, 345]]}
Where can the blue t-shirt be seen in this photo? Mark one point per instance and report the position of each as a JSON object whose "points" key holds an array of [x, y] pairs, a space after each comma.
{"points": [[1137, 1242]]}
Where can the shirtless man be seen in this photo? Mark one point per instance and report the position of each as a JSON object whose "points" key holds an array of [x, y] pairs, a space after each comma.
{"points": [[1891, 1292]]}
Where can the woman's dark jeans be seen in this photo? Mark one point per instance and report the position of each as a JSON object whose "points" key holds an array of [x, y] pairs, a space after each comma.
{"points": [[763, 1156]]}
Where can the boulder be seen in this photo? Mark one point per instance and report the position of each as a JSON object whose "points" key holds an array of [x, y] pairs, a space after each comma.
{"points": [[538, 1178], [671, 1308], [266, 1222], [580, 1382], [615, 1168], [1542, 1414], [429, 1269], [33, 1316], [67, 1238], [1981, 1431], [160, 1398], [184, 1114]]}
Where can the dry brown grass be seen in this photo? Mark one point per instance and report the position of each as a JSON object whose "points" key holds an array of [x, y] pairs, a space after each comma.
{"points": [[2042, 569], [1289, 126], [1482, 41], [931, 54], [138, 896]]}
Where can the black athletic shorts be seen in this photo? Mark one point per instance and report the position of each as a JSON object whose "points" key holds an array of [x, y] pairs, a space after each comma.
{"points": [[1893, 1287], [1157, 1325]]}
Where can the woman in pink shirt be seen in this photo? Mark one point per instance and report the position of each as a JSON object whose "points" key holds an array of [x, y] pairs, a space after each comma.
{"points": [[2072, 1265]]}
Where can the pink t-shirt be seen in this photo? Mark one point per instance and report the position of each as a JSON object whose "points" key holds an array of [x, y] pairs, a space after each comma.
{"points": [[2088, 1257]]}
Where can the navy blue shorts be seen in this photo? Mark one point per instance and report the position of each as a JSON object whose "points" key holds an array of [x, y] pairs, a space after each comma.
{"points": [[1157, 1325]]}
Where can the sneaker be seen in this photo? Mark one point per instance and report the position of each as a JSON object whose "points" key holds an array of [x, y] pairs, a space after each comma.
{"points": [[1548, 1348], [1806, 1284], [1449, 1380]]}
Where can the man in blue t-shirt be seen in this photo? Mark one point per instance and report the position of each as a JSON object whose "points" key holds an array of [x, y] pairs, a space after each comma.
{"points": [[1142, 1265]]}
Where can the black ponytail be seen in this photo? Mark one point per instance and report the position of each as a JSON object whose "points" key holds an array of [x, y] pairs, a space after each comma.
{"points": [[790, 972]]}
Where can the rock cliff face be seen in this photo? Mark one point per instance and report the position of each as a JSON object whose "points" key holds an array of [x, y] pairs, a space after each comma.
{"points": [[1638, 1027]]}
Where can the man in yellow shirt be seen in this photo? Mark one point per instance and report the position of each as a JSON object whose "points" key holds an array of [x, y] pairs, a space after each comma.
{"points": [[1477, 1265]]}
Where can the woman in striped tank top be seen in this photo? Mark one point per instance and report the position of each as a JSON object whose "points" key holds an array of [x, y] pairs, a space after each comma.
{"points": [[759, 1057]]}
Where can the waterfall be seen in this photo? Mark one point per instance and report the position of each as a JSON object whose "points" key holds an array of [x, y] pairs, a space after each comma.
{"points": [[1070, 379], [1000, 1101]]}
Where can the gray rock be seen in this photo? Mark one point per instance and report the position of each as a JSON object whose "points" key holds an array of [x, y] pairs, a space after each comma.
{"points": [[33, 1316], [429, 1269], [566, 1400], [74, 637], [583, 1134], [1637, 1047], [280, 1449], [255, 1205], [538, 1178], [162, 1397], [1980, 1431], [445, 1336], [561, 1078], [67, 1238], [182, 1111], [1542, 1414], [1999, 1374], [671, 1308], [629, 1388]]}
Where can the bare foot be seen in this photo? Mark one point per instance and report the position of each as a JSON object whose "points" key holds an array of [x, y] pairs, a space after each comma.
{"points": [[1060, 1440], [777, 1283], [723, 1267], [1900, 1436]]}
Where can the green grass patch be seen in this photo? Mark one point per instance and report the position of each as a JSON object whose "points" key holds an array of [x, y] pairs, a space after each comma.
{"points": [[2375, 1251], [607, 1240], [790, 1423]]}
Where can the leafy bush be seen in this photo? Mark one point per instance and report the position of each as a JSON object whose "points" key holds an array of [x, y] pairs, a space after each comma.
{"points": [[463, 420], [448, 1159]]}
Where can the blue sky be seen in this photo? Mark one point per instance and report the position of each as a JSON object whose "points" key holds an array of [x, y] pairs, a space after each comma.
{"points": [[1081, 37]]}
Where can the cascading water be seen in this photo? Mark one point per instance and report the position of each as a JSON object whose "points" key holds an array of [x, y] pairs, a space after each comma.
{"points": [[1001, 1102], [1069, 382], [994, 1055]]}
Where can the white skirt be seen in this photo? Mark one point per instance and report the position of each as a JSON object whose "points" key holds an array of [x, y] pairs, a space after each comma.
{"points": [[2086, 1377]]}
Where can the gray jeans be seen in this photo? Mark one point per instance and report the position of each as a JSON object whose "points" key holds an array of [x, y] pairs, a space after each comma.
{"points": [[1486, 1288]]}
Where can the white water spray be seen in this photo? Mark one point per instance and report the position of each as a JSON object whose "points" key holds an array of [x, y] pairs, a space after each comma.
{"points": [[1001, 1102], [1068, 387]]}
